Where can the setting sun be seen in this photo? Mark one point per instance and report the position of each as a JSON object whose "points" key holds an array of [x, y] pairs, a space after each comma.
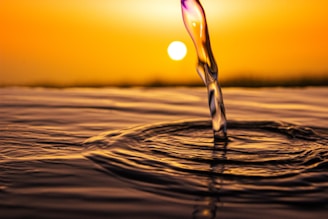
{"points": [[85, 42], [177, 50]]}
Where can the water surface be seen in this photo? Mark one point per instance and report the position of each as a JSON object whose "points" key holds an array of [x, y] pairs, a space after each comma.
{"points": [[149, 153]]}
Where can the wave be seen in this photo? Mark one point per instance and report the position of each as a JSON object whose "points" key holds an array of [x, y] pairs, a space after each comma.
{"points": [[181, 159]]}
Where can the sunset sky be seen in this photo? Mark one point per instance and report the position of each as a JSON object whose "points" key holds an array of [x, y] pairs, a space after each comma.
{"points": [[69, 42]]}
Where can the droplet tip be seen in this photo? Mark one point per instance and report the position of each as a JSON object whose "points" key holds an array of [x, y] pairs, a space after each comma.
{"points": [[220, 136]]}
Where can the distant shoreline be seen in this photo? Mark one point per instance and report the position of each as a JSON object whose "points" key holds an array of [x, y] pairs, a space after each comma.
{"points": [[247, 82]]}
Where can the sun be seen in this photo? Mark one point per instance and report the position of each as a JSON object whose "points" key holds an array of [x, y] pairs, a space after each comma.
{"points": [[177, 50]]}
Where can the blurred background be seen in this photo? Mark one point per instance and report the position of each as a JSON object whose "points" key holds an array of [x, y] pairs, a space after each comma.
{"points": [[124, 42]]}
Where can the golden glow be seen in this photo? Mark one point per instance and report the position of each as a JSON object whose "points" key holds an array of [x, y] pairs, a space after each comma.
{"points": [[177, 50], [115, 42]]}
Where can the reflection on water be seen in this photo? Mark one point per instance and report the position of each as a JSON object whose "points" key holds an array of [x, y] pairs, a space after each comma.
{"points": [[156, 157], [210, 207], [258, 165]]}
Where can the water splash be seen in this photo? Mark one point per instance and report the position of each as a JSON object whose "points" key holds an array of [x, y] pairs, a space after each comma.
{"points": [[180, 161], [195, 22]]}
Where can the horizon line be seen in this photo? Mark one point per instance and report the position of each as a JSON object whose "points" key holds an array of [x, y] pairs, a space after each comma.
{"points": [[235, 82]]}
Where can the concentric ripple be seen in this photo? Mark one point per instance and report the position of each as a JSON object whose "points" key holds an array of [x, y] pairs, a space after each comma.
{"points": [[261, 162]]}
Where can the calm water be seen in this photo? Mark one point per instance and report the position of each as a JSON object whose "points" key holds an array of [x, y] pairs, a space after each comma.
{"points": [[149, 153]]}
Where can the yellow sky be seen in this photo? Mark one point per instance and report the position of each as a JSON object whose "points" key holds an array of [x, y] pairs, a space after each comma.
{"points": [[125, 41]]}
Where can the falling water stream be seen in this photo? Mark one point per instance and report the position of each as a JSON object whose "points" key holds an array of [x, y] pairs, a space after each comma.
{"points": [[195, 21]]}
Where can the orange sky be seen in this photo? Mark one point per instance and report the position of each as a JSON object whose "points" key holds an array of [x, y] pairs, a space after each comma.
{"points": [[68, 42]]}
